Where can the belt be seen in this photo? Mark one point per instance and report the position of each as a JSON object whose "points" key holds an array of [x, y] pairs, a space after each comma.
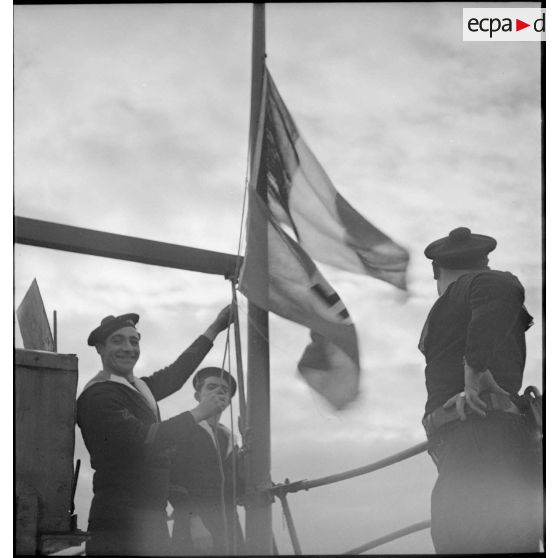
{"points": [[440, 416]]}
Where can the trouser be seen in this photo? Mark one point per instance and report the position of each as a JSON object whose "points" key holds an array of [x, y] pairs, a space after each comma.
{"points": [[488, 495], [131, 532], [227, 541]]}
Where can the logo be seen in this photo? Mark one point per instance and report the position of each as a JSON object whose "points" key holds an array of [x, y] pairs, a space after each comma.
{"points": [[504, 24]]}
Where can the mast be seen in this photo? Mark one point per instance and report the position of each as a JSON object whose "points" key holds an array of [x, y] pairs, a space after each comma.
{"points": [[259, 537]]}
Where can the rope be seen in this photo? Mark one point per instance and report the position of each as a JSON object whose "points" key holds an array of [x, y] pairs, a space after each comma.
{"points": [[282, 490], [222, 475], [390, 537], [227, 356], [234, 538], [262, 335], [218, 447], [239, 368], [241, 232]]}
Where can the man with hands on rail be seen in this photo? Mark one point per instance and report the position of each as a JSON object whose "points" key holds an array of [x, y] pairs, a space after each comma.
{"points": [[488, 494]]}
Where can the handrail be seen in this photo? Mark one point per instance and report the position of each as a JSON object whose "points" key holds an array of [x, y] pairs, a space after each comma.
{"points": [[308, 484], [390, 537]]}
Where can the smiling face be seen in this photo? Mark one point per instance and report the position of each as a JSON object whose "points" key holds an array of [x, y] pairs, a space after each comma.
{"points": [[120, 351]]}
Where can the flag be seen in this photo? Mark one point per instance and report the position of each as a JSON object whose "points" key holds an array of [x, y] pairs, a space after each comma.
{"points": [[302, 197], [295, 209], [296, 290]]}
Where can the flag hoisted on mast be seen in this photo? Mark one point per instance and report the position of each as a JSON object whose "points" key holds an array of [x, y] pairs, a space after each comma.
{"points": [[302, 197], [293, 208], [294, 197]]}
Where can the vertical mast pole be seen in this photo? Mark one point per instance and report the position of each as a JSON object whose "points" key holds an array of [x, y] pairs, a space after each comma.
{"points": [[259, 537]]}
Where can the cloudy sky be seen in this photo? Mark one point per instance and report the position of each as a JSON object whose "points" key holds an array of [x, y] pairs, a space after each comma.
{"points": [[133, 119]]}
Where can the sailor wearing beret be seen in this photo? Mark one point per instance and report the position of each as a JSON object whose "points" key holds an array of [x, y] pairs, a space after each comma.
{"points": [[127, 441], [206, 480], [487, 498]]}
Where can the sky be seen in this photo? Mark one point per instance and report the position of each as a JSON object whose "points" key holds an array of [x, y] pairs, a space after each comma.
{"points": [[133, 119]]}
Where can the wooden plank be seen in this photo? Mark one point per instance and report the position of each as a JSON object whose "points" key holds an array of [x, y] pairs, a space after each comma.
{"points": [[45, 433], [43, 359], [45, 234], [27, 510], [33, 321]]}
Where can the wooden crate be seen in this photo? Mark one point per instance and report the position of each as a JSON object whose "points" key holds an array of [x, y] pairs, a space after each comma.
{"points": [[45, 408]]}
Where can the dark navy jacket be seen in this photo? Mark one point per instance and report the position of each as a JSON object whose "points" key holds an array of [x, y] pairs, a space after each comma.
{"points": [[480, 317], [128, 445], [205, 481]]}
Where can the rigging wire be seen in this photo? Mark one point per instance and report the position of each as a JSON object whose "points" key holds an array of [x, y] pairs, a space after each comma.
{"points": [[265, 337], [242, 225], [218, 445], [234, 455], [239, 367]]}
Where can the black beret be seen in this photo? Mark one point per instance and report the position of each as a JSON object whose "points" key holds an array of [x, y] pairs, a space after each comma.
{"points": [[214, 371], [460, 249], [109, 325]]}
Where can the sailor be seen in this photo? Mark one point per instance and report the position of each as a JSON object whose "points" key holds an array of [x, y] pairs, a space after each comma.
{"points": [[487, 498], [206, 479], [127, 441]]}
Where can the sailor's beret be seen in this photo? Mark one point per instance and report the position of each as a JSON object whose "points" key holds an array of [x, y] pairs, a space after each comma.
{"points": [[109, 325], [214, 371], [460, 249]]}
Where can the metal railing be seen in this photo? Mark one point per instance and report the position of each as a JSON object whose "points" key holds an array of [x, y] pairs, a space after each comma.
{"points": [[283, 489]]}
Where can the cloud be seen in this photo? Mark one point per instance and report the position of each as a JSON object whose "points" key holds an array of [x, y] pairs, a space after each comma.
{"points": [[133, 119]]}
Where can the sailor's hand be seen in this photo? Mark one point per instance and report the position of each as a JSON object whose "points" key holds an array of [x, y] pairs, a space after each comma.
{"points": [[459, 401], [221, 322], [212, 404], [201, 537], [475, 383]]}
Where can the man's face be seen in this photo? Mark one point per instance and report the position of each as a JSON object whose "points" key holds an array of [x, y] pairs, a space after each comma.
{"points": [[120, 351], [214, 384]]}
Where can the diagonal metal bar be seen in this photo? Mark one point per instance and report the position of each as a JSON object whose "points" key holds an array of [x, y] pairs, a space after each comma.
{"points": [[290, 523], [45, 234], [308, 484], [390, 537]]}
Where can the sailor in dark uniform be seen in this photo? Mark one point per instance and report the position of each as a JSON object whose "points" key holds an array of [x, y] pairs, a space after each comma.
{"points": [[127, 441], [488, 495], [206, 479]]}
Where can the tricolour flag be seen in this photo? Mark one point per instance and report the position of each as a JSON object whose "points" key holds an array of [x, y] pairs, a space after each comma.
{"points": [[291, 199]]}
